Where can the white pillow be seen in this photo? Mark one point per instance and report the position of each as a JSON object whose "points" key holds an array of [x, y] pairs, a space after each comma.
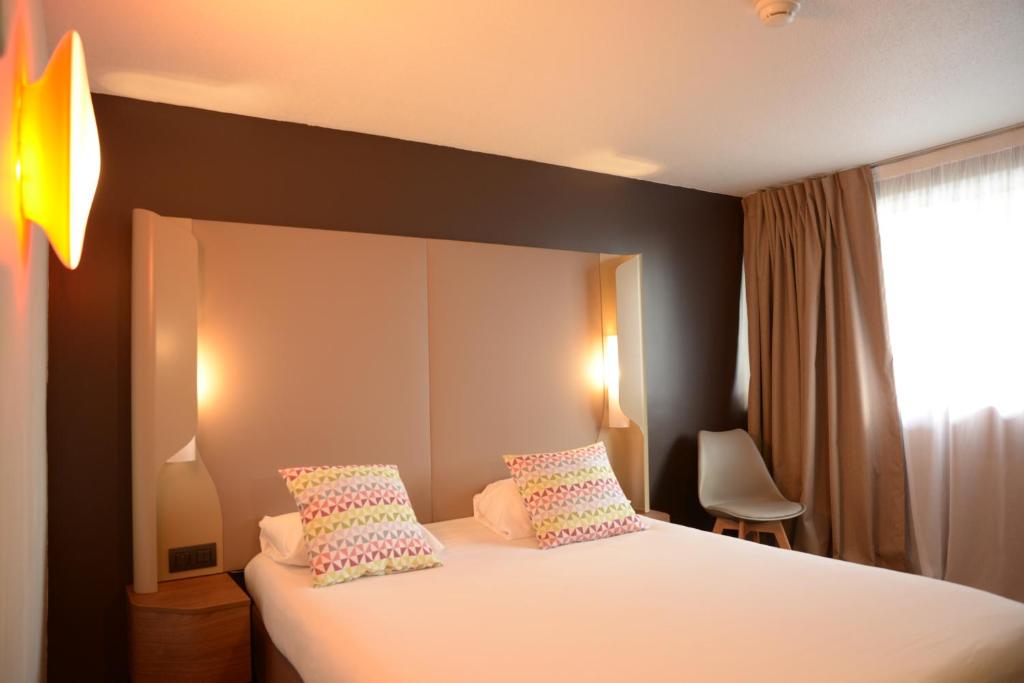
{"points": [[500, 508], [281, 539]]}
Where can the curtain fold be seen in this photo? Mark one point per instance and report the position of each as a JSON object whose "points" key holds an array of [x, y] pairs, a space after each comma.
{"points": [[822, 402]]}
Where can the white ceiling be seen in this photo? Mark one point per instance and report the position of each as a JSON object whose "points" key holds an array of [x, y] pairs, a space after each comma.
{"points": [[685, 92]]}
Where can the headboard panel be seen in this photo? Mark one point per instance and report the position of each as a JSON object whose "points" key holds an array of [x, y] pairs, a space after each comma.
{"points": [[512, 332], [323, 347], [313, 350]]}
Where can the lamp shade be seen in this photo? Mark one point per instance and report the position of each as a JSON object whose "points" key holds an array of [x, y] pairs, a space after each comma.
{"points": [[59, 151], [616, 418]]}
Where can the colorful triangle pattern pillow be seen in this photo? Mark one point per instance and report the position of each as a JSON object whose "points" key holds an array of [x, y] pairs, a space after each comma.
{"points": [[572, 496], [357, 521]]}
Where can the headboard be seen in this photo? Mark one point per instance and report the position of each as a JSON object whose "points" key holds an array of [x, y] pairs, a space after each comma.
{"points": [[324, 347]]}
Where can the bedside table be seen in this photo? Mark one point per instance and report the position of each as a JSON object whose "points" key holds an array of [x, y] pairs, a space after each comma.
{"points": [[655, 514], [193, 630]]}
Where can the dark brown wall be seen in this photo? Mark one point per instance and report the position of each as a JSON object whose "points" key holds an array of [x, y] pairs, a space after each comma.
{"points": [[187, 162]]}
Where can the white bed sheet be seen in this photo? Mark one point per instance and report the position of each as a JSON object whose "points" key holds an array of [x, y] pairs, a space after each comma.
{"points": [[667, 604]]}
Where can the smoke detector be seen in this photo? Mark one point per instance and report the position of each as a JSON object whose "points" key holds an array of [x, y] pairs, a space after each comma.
{"points": [[777, 12]]}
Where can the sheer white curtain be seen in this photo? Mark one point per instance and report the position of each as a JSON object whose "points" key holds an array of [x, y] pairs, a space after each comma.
{"points": [[953, 258]]}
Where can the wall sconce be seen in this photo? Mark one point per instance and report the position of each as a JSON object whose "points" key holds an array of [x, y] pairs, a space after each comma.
{"points": [[57, 145], [616, 418]]}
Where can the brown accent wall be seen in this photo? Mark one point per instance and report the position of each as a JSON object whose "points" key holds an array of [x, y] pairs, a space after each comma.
{"points": [[188, 162]]}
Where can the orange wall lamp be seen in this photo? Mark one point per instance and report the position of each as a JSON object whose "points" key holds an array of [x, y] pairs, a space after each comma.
{"points": [[55, 141]]}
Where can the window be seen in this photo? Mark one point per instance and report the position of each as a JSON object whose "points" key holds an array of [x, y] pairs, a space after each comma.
{"points": [[953, 257], [953, 260]]}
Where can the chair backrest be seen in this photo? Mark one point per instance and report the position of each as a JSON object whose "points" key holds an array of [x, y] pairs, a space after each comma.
{"points": [[731, 468]]}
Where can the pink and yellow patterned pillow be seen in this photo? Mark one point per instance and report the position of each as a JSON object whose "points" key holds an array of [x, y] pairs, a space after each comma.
{"points": [[572, 496], [357, 521]]}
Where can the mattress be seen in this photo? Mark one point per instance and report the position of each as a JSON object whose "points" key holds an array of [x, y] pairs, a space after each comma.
{"points": [[666, 604]]}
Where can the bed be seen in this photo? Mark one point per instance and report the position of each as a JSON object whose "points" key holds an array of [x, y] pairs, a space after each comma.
{"points": [[667, 604], [438, 357]]}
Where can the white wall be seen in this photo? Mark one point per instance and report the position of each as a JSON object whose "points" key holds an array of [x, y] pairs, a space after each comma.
{"points": [[23, 307]]}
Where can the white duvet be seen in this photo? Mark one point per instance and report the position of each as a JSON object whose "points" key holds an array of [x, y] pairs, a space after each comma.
{"points": [[667, 604]]}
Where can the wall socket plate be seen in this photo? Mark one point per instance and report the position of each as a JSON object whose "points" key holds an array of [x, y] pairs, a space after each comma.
{"points": [[192, 557]]}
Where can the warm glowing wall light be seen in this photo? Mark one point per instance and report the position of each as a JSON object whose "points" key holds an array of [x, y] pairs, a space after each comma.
{"points": [[58, 148], [616, 418], [595, 370]]}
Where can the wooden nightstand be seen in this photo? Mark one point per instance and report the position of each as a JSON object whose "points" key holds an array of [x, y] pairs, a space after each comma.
{"points": [[193, 630], [655, 514]]}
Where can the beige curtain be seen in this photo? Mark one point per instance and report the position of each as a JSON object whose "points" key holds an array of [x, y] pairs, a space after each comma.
{"points": [[822, 396]]}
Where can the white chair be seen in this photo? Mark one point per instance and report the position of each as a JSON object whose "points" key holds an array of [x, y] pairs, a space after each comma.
{"points": [[734, 486]]}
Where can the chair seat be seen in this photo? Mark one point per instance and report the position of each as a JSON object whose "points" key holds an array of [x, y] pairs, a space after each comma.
{"points": [[757, 510]]}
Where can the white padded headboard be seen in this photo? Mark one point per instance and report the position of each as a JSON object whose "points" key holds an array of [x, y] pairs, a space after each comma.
{"points": [[323, 347]]}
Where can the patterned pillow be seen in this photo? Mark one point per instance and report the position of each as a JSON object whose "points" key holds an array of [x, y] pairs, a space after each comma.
{"points": [[572, 496], [357, 521]]}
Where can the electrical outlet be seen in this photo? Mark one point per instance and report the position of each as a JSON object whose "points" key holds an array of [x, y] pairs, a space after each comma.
{"points": [[192, 557]]}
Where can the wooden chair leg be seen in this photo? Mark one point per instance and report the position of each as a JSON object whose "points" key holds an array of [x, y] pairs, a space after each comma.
{"points": [[779, 532], [745, 529]]}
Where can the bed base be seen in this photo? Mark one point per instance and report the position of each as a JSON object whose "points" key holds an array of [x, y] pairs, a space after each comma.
{"points": [[268, 664]]}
